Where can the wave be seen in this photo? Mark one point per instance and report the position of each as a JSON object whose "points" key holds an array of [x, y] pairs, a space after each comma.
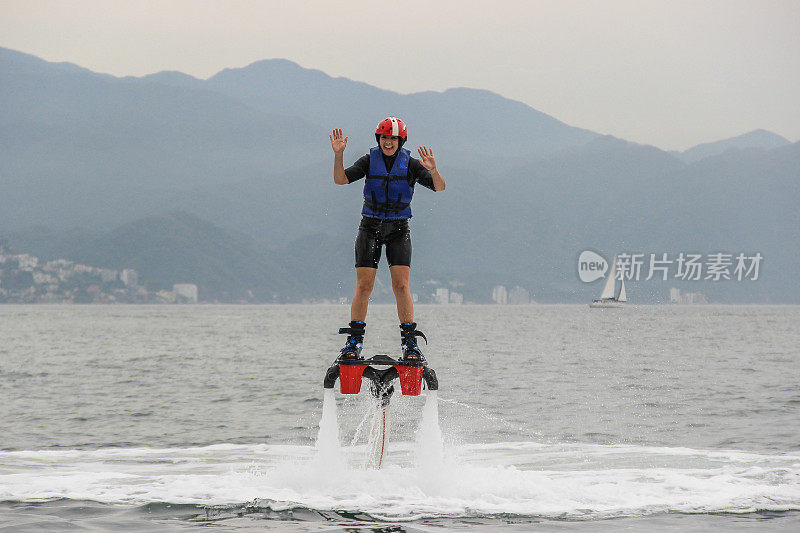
{"points": [[564, 481]]}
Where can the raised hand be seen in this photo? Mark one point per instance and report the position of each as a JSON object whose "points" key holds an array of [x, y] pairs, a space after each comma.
{"points": [[337, 142], [426, 158]]}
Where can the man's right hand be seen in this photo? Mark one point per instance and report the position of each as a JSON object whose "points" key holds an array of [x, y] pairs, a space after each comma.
{"points": [[338, 143]]}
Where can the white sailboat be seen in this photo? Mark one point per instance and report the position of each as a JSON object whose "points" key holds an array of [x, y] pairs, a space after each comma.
{"points": [[607, 297]]}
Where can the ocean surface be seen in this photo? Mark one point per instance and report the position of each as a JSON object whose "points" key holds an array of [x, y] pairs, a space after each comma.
{"points": [[548, 418]]}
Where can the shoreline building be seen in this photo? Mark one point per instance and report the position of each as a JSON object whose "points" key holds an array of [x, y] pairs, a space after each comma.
{"points": [[500, 295], [676, 297], [185, 292]]}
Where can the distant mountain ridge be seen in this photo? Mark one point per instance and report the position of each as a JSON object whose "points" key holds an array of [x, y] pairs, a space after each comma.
{"points": [[761, 139], [244, 157], [484, 121], [86, 149]]}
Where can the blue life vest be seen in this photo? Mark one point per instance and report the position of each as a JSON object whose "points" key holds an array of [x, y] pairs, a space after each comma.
{"points": [[388, 194]]}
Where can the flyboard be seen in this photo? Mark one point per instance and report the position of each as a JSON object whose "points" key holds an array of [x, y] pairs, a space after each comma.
{"points": [[381, 371]]}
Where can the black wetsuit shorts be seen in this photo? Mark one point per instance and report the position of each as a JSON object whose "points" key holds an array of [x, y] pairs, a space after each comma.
{"points": [[374, 233]]}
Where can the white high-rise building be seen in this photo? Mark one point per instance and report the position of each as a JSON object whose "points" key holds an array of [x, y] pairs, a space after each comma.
{"points": [[500, 295], [129, 277], [442, 295]]}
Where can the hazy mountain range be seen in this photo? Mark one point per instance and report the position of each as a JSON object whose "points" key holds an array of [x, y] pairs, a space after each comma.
{"points": [[227, 182]]}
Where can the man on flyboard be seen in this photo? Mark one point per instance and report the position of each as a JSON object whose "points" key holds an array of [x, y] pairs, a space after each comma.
{"points": [[391, 174]]}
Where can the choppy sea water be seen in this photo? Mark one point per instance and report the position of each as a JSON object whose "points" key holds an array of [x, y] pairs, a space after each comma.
{"points": [[552, 418]]}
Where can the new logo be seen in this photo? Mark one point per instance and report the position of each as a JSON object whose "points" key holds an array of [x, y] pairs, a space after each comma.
{"points": [[591, 266]]}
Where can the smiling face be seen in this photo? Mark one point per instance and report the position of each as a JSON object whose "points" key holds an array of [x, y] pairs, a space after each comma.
{"points": [[389, 144]]}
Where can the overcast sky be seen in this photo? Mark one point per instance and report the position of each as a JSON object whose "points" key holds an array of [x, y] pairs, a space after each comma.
{"points": [[670, 73]]}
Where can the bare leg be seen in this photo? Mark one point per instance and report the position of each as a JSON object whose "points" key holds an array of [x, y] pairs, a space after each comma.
{"points": [[402, 292], [365, 280]]}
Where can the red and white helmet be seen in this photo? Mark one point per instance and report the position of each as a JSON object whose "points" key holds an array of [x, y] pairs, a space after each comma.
{"points": [[392, 126]]}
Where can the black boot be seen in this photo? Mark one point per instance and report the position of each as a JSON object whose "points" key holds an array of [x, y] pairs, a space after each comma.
{"points": [[409, 334], [355, 337]]}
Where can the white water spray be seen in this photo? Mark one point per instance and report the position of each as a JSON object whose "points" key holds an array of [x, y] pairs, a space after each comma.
{"points": [[430, 446], [368, 414], [328, 447]]}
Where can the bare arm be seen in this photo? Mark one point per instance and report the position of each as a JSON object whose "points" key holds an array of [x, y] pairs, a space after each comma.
{"points": [[438, 180], [429, 162], [338, 144]]}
